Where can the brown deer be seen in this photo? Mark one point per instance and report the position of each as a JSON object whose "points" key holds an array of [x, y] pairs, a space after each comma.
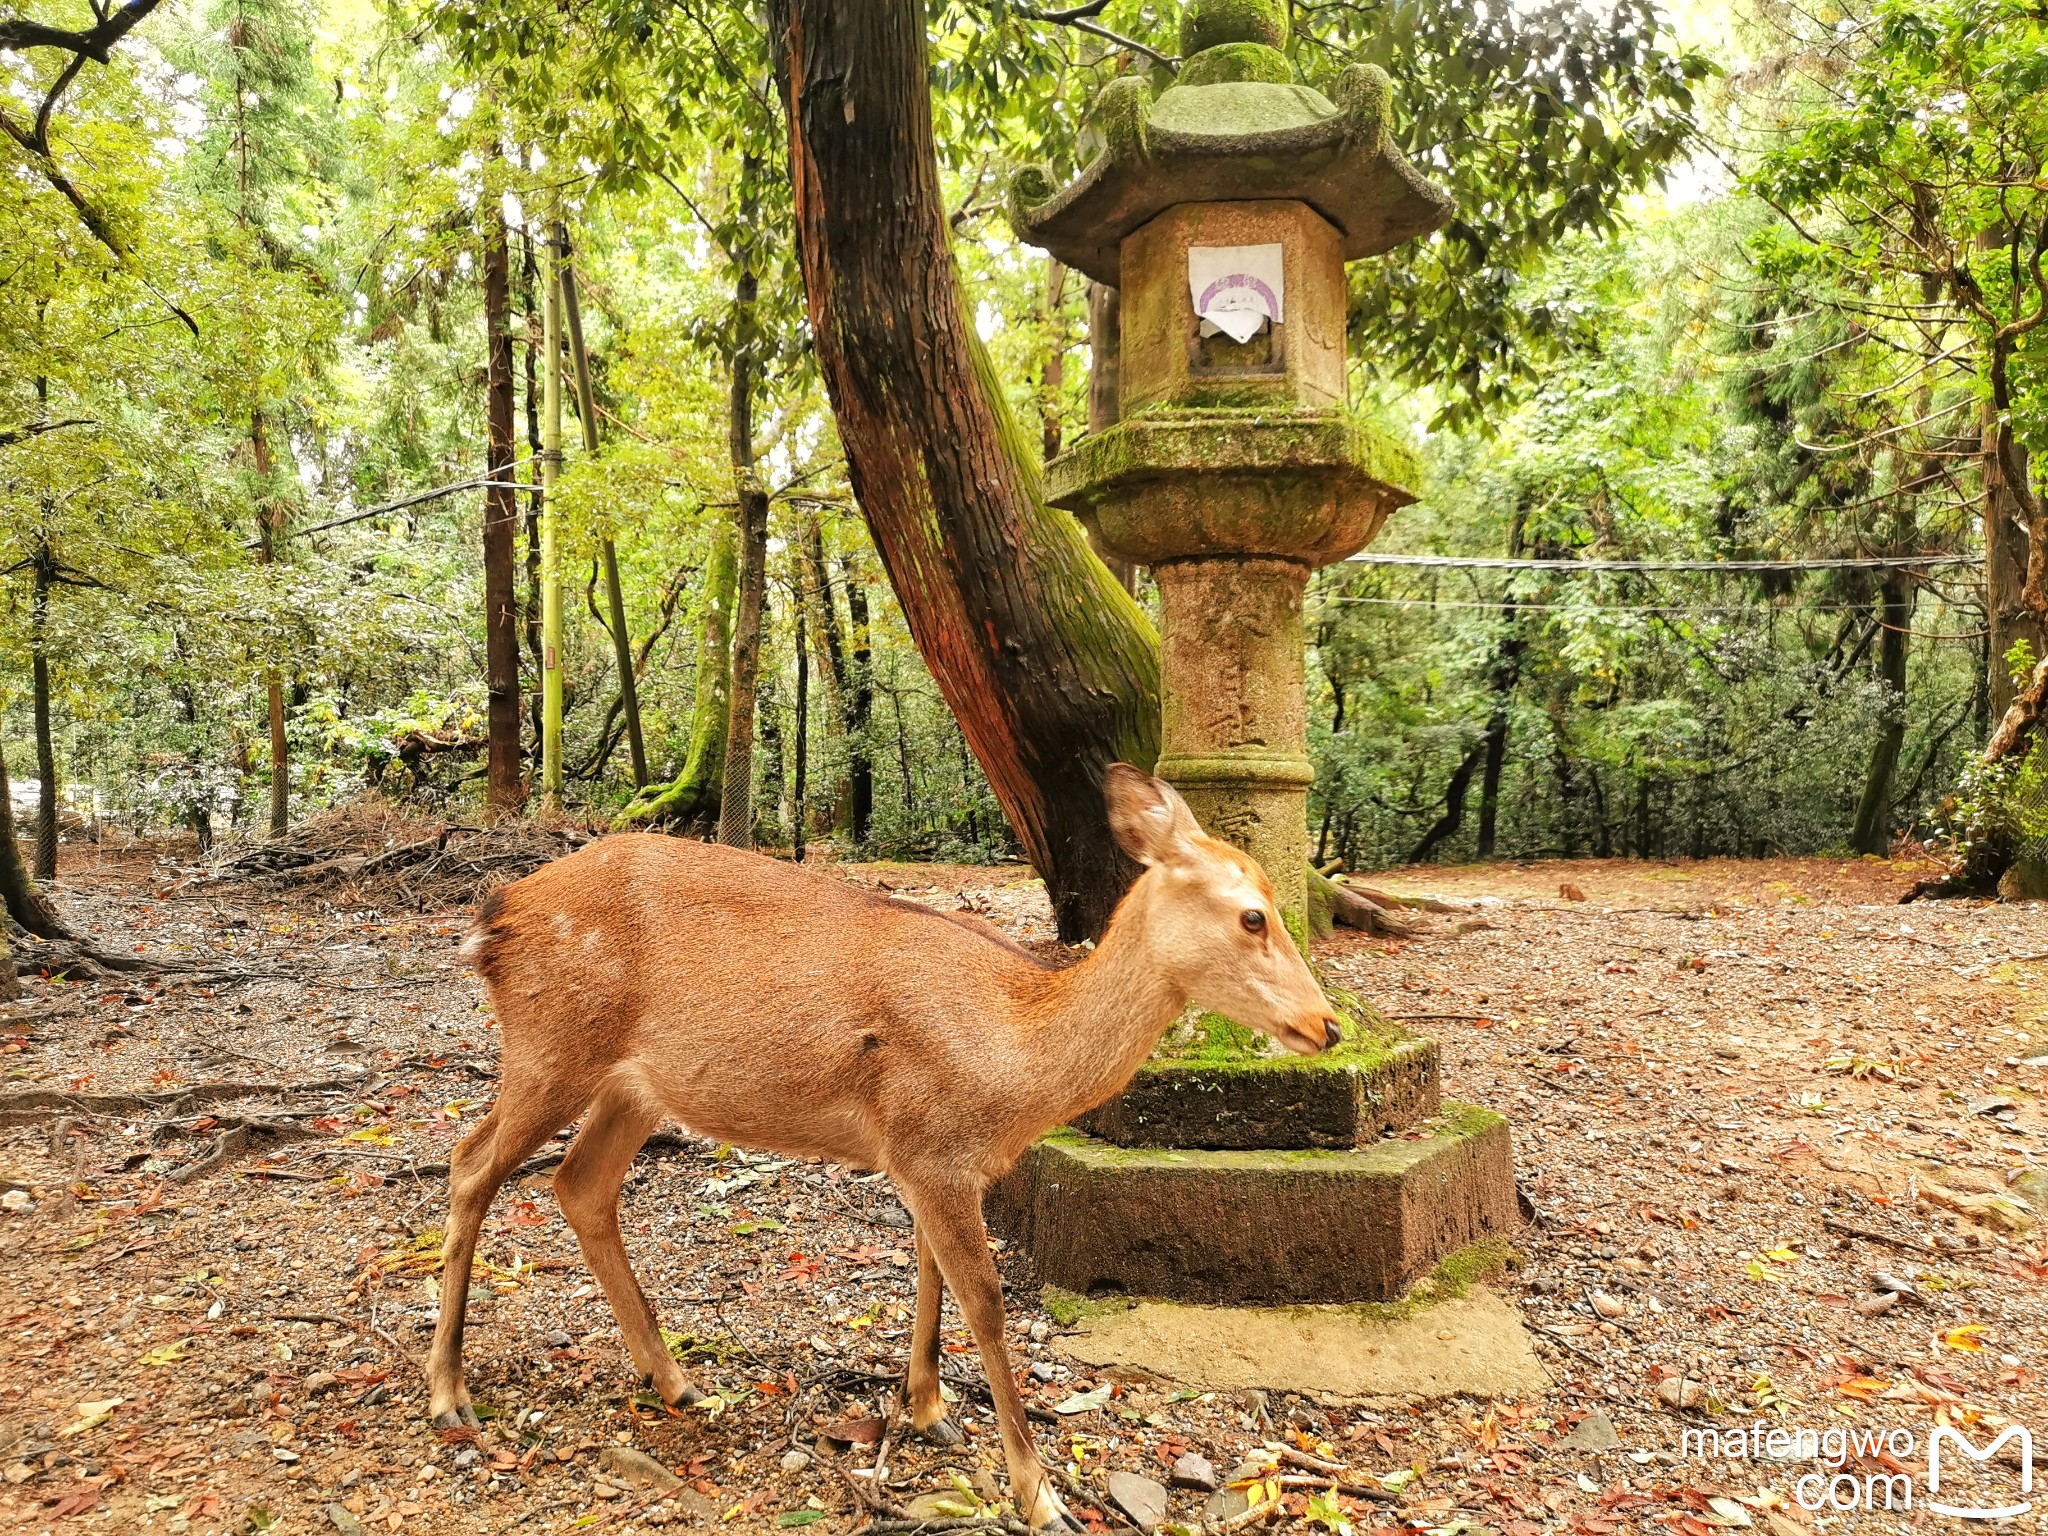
{"points": [[757, 1002]]}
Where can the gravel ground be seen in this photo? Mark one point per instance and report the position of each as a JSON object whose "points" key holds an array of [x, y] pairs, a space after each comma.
{"points": [[1740, 1091]]}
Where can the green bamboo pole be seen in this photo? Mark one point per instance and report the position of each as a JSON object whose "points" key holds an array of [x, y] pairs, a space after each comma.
{"points": [[615, 597], [550, 541]]}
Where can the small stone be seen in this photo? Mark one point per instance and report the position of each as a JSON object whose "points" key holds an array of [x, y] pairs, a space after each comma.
{"points": [[466, 1458], [638, 1468], [1595, 1432], [1139, 1497], [1680, 1393], [16, 1202], [1044, 1370], [320, 1381], [344, 1522], [795, 1461], [1226, 1503], [1041, 1330], [558, 1340], [1193, 1470], [985, 1486], [1876, 1304], [1608, 1306], [1880, 1280]]}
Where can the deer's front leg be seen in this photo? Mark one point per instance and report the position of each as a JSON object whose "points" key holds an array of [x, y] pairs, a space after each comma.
{"points": [[927, 1403], [948, 1215]]}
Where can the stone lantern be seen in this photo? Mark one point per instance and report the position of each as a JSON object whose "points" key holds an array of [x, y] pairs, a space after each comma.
{"points": [[1224, 211]]}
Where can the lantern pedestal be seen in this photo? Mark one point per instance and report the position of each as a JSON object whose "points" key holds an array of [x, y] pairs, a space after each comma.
{"points": [[1224, 212]]}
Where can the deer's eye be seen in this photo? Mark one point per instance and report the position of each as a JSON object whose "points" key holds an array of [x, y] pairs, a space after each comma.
{"points": [[1254, 920]]}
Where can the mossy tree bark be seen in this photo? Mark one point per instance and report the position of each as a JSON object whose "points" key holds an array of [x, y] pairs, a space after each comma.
{"points": [[690, 801], [504, 792], [1048, 664], [25, 903]]}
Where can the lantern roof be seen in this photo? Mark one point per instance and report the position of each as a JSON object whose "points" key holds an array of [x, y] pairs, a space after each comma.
{"points": [[1235, 126]]}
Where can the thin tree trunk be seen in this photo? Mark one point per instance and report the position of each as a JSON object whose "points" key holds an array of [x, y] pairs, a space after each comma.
{"points": [[608, 550], [860, 707], [1872, 832], [46, 747], [800, 790], [504, 792], [828, 645], [1049, 666], [2005, 564], [529, 304], [24, 901], [736, 805], [1496, 743], [1453, 816], [1502, 677], [690, 801], [270, 533], [551, 539]]}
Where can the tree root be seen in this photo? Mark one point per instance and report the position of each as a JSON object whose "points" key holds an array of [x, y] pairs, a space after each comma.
{"points": [[234, 1140], [34, 1104], [1332, 905]]}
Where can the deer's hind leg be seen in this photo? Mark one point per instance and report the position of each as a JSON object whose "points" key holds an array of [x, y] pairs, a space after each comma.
{"points": [[529, 1110], [921, 1384], [587, 1185]]}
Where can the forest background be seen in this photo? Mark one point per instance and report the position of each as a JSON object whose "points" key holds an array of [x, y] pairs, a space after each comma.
{"points": [[1761, 284]]}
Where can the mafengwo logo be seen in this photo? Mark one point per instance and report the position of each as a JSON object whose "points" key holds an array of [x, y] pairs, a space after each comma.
{"points": [[1842, 1492]]}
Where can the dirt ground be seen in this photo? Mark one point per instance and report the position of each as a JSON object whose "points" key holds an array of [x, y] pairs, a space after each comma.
{"points": [[1739, 1091]]}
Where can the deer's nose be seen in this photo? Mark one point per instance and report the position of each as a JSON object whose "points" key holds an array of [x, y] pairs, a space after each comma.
{"points": [[1332, 1038]]}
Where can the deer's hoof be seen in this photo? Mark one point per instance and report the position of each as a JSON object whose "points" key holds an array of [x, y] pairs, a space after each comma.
{"points": [[1045, 1511], [686, 1396], [458, 1418], [943, 1431]]}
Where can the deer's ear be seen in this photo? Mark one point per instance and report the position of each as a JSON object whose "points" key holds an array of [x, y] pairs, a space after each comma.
{"points": [[1147, 816]]}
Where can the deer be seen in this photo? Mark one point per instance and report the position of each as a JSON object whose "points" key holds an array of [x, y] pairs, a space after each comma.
{"points": [[757, 1002]]}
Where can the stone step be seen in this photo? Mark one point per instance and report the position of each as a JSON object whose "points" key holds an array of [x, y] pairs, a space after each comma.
{"points": [[1309, 1225], [1348, 1097]]}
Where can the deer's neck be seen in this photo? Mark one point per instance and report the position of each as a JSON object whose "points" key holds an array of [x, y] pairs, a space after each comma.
{"points": [[1097, 1021]]}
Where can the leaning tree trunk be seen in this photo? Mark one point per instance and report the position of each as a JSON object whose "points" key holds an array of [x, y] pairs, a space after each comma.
{"points": [[46, 747], [503, 793], [1048, 664]]}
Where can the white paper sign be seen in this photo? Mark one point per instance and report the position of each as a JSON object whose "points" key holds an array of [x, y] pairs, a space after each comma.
{"points": [[1236, 288]]}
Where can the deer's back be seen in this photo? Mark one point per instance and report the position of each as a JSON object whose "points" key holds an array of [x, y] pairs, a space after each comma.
{"points": [[757, 1001]]}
